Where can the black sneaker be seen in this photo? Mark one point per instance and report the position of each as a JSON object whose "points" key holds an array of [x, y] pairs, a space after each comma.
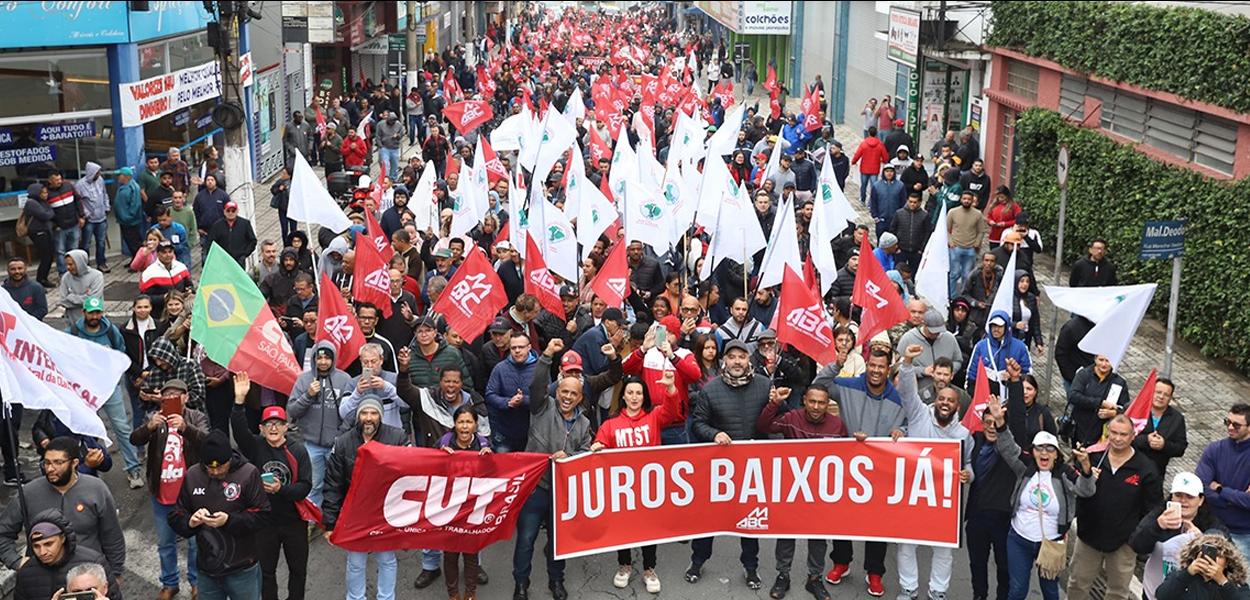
{"points": [[482, 577], [521, 591], [780, 587], [426, 578], [753, 580], [816, 588], [693, 572], [557, 590]]}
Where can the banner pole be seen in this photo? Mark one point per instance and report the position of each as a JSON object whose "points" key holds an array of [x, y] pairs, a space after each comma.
{"points": [[17, 471]]}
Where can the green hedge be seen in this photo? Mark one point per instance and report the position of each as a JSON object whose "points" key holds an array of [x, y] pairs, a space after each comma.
{"points": [[1192, 52], [1112, 190]]}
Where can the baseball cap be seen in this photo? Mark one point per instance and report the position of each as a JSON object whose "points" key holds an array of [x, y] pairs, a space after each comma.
{"points": [[503, 245], [898, 122], [499, 326], [175, 384], [230, 205], [442, 253], [736, 345], [164, 245], [572, 361], [568, 291], [933, 320], [273, 412], [1187, 483], [92, 304], [426, 321], [44, 529], [998, 320], [1045, 438], [768, 334]]}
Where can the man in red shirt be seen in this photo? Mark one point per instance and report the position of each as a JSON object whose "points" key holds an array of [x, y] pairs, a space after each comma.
{"points": [[870, 155]]}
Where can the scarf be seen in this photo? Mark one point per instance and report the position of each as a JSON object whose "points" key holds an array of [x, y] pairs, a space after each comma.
{"points": [[736, 382]]}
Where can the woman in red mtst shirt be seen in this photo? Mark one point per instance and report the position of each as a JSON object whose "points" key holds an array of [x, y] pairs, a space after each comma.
{"points": [[637, 424]]}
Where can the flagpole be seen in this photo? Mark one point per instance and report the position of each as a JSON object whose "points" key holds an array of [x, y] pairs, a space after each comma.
{"points": [[21, 492]]}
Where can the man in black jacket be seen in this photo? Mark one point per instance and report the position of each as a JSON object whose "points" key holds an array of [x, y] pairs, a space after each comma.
{"points": [[286, 476], [1164, 435], [54, 551], [987, 516], [915, 177], [234, 234], [727, 410], [223, 506], [67, 216], [1095, 270], [977, 181], [911, 225], [339, 466], [645, 277]]}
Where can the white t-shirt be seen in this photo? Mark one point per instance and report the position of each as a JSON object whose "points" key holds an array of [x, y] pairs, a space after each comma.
{"points": [[1038, 495], [1164, 559]]}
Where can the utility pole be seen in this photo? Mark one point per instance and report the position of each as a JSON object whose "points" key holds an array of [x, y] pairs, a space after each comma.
{"points": [[413, 53], [229, 115]]}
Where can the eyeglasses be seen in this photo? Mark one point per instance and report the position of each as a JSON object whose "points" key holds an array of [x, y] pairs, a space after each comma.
{"points": [[1231, 423], [55, 463], [273, 424]]}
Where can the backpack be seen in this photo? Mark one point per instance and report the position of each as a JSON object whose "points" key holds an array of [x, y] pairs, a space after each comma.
{"points": [[22, 229]]}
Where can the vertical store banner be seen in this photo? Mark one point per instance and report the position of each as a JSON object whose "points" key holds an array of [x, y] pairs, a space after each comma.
{"points": [[906, 491], [151, 99]]}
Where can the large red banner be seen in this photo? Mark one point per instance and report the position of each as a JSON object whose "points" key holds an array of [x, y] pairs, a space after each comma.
{"points": [[904, 491], [410, 498]]}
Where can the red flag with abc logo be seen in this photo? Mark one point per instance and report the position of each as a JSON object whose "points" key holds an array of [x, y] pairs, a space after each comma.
{"points": [[468, 115], [409, 498], [875, 293], [337, 324], [372, 283], [473, 296], [802, 321], [538, 280]]}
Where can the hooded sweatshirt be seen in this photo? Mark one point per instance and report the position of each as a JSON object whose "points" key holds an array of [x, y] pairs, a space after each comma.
{"points": [[91, 192], [107, 335], [87, 505], [922, 420], [994, 353], [318, 416], [129, 204], [74, 289], [231, 547], [41, 214], [183, 368], [279, 286], [36, 580]]}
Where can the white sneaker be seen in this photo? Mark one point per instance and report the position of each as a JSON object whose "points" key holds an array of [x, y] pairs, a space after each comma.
{"points": [[135, 479], [621, 580], [653, 582]]}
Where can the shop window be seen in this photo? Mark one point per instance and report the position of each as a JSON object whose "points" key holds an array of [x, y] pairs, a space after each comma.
{"points": [[1022, 79], [29, 151], [51, 83]]}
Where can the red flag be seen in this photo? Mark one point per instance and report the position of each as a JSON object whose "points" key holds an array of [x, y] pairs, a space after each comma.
{"points": [[612, 282], [538, 279], [468, 115], [774, 106], [810, 276], [451, 87], [980, 399], [725, 91], [453, 166], [378, 237], [811, 110], [770, 81], [337, 323], [1138, 411], [372, 282], [321, 120], [485, 83], [473, 296], [494, 167], [503, 232], [598, 148], [875, 293], [806, 325]]}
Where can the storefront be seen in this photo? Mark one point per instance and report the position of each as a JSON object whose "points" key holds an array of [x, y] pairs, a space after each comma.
{"points": [[190, 127]]}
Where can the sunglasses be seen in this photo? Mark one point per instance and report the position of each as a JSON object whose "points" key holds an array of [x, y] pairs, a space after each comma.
{"points": [[1235, 425]]}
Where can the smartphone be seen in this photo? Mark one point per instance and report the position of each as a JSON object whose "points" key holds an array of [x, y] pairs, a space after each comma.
{"points": [[85, 595], [171, 406], [1210, 551], [1173, 509], [661, 336], [268, 478]]}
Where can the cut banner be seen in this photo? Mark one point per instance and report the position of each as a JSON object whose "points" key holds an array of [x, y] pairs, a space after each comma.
{"points": [[410, 498], [906, 491], [43, 368]]}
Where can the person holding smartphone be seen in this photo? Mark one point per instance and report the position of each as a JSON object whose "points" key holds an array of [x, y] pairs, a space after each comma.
{"points": [[1165, 530], [1211, 567]]}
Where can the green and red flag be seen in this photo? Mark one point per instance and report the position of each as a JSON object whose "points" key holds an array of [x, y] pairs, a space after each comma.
{"points": [[234, 324]]}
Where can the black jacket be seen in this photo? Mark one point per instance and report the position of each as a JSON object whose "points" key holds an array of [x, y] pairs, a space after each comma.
{"points": [[1180, 585], [1172, 428], [911, 228], [511, 279], [231, 547], [1110, 516], [1087, 273], [1025, 421], [646, 277], [342, 461], [37, 581], [912, 176], [280, 462], [844, 285], [66, 207], [1068, 355], [979, 185], [1086, 396], [731, 410], [239, 241], [991, 488]]}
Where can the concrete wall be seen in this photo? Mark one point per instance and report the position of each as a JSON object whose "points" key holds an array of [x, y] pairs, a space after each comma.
{"points": [[869, 74], [819, 24]]}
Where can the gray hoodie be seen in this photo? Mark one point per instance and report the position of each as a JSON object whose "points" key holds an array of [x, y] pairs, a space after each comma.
{"points": [[920, 420], [318, 416], [74, 289], [95, 199]]}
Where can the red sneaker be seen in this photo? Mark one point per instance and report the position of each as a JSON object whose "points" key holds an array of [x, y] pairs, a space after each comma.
{"points": [[835, 574], [875, 587]]}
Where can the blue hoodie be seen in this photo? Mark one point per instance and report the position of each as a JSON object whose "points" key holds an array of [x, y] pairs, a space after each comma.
{"points": [[108, 334], [127, 204], [994, 353]]}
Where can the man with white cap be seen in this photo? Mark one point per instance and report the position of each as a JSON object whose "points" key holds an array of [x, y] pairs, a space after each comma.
{"points": [[1164, 530], [339, 466]]}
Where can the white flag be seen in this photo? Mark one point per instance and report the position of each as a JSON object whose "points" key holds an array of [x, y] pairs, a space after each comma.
{"points": [[830, 215], [575, 108], [361, 128], [557, 136], [471, 193], [933, 275], [644, 218], [624, 166], [518, 215], [1117, 312], [424, 208], [725, 139], [738, 234], [783, 247], [716, 183], [310, 202], [1005, 295], [558, 242], [480, 180], [44, 368], [595, 212], [513, 131]]}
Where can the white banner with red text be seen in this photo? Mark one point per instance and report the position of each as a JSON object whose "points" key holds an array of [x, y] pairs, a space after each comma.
{"points": [[153, 98]]}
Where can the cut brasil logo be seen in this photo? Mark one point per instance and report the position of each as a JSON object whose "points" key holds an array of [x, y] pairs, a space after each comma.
{"points": [[556, 234], [651, 211]]}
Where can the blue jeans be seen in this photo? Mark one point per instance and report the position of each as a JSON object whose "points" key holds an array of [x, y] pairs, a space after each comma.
{"points": [[167, 548], [317, 456], [357, 562], [675, 435], [431, 560], [701, 550], [1020, 556], [963, 261], [115, 409], [389, 157], [865, 184], [503, 444], [99, 231], [535, 514], [64, 240], [240, 585], [414, 125]]}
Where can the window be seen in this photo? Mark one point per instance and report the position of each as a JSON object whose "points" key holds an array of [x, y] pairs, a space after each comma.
{"points": [[51, 83], [1215, 143], [1005, 150], [1022, 79], [1123, 113], [167, 56], [1072, 97]]}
